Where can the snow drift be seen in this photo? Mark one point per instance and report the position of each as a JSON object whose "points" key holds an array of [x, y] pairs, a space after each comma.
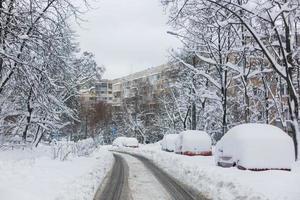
{"points": [[33, 174]]}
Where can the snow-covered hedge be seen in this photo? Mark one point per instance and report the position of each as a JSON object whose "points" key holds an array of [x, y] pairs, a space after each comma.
{"points": [[65, 149], [193, 143], [168, 142], [255, 146]]}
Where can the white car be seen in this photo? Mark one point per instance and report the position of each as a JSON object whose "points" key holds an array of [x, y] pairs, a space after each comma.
{"points": [[131, 142], [255, 147], [125, 142], [119, 141], [193, 143], [168, 142]]}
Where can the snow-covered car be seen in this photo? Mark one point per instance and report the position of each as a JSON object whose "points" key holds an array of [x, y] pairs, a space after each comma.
{"points": [[168, 142], [255, 147], [119, 141], [131, 142], [193, 143]]}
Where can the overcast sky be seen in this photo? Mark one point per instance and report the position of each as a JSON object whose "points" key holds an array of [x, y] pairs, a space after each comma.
{"points": [[126, 35]]}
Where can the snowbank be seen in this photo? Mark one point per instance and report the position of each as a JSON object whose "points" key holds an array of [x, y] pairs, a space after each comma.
{"points": [[220, 183], [33, 174], [193, 143], [168, 142], [256, 146]]}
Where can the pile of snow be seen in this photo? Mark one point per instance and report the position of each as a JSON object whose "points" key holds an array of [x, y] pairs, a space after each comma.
{"points": [[125, 142], [193, 142], [216, 182], [168, 142], [256, 146], [33, 174]]}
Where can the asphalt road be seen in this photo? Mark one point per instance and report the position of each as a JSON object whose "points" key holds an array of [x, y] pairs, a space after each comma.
{"points": [[116, 187], [176, 189]]}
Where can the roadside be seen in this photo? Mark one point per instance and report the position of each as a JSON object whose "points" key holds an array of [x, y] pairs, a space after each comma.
{"points": [[223, 183], [32, 174], [145, 180]]}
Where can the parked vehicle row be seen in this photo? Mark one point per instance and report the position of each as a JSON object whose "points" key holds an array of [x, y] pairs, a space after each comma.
{"points": [[247, 146], [189, 142], [126, 142]]}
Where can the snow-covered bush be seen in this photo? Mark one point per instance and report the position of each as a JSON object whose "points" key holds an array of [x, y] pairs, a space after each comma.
{"points": [[255, 146], [193, 143], [168, 142], [65, 149]]}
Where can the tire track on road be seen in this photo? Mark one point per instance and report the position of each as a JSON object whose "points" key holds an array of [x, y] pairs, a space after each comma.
{"points": [[177, 190], [116, 187]]}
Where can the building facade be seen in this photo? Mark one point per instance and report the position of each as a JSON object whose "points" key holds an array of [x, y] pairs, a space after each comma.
{"points": [[146, 85]]}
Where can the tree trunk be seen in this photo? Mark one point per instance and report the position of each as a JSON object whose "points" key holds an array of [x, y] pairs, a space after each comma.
{"points": [[224, 104], [194, 116], [28, 118]]}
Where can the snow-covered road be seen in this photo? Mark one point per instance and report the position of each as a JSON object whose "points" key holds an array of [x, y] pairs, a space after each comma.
{"points": [[142, 182], [145, 181]]}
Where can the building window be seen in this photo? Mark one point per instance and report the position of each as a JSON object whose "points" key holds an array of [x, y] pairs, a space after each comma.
{"points": [[103, 84], [254, 91], [284, 90], [92, 98]]}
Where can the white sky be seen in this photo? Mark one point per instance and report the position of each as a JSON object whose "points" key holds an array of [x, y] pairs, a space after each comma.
{"points": [[126, 35]]}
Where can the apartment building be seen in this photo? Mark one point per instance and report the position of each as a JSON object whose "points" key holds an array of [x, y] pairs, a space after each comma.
{"points": [[144, 85], [102, 91]]}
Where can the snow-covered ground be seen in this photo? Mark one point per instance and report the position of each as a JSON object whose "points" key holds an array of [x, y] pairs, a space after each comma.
{"points": [[33, 174], [225, 183]]}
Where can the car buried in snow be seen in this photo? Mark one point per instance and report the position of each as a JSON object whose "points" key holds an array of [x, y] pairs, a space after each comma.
{"points": [[193, 143], [168, 142], [131, 142], [255, 147], [119, 141], [126, 142]]}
